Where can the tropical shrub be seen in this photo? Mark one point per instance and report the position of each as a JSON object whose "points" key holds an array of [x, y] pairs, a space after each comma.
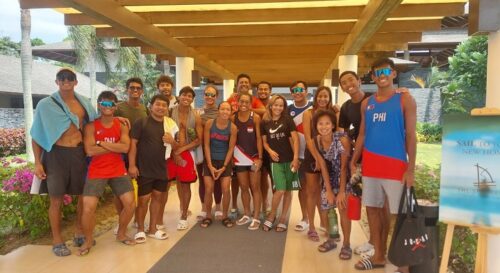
{"points": [[429, 132], [12, 142]]}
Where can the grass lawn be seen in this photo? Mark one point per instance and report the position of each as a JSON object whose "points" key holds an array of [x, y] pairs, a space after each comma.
{"points": [[429, 154]]}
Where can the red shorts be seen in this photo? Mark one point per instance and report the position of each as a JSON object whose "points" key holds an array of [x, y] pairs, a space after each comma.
{"points": [[184, 174]]}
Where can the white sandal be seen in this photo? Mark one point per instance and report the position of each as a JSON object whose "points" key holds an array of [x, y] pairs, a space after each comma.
{"points": [[301, 226], [254, 225], [182, 225], [140, 237], [218, 215], [159, 235], [244, 220]]}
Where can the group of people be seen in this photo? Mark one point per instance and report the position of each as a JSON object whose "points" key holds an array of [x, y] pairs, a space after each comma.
{"points": [[246, 144]]}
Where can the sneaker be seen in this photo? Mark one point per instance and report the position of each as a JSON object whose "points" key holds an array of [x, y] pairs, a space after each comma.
{"points": [[366, 247]]}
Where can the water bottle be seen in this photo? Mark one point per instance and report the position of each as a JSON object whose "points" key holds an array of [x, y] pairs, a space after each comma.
{"points": [[333, 224]]}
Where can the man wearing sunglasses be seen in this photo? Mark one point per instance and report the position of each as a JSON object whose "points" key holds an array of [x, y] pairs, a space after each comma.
{"points": [[58, 150], [387, 142], [132, 109], [297, 109], [105, 140]]}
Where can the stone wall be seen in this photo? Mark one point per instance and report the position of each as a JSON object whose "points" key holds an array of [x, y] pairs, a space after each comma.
{"points": [[11, 118], [428, 104]]}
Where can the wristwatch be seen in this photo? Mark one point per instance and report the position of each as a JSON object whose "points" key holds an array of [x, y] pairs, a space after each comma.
{"points": [[98, 143]]}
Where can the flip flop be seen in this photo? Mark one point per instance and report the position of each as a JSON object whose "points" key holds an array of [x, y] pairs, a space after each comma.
{"points": [[202, 215], [255, 225], [327, 246], [227, 223], [127, 241], [313, 236], [159, 235], [244, 220], [140, 237], [61, 250], [206, 223], [268, 225], [366, 264], [345, 253], [83, 251], [281, 227]]}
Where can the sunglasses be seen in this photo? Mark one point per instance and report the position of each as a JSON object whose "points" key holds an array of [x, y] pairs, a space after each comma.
{"points": [[383, 71], [211, 95], [66, 75], [297, 90], [135, 88], [106, 103]]}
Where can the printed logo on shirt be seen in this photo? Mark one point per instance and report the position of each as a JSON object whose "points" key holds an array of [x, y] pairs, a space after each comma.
{"points": [[370, 107], [379, 117], [250, 129], [275, 130], [292, 113]]}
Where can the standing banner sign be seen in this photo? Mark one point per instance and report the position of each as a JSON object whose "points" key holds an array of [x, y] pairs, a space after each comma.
{"points": [[470, 171]]}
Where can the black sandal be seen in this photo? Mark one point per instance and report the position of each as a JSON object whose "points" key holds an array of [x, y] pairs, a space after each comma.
{"points": [[227, 222], [206, 222]]}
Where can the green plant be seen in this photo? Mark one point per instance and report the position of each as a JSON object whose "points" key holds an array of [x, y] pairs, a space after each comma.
{"points": [[427, 182], [466, 88], [429, 132], [21, 212]]}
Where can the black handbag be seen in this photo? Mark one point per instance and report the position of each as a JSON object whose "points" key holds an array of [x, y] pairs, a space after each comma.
{"points": [[410, 243]]}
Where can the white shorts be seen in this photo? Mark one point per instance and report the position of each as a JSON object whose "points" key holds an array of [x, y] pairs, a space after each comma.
{"points": [[376, 190]]}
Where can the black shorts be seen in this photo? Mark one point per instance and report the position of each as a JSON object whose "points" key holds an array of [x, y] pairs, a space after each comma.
{"points": [[66, 168], [217, 164], [146, 185], [308, 164]]}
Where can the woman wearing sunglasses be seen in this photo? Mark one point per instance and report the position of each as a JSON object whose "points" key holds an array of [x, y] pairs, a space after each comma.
{"points": [[208, 112]]}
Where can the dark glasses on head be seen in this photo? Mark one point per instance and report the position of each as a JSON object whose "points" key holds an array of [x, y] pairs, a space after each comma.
{"points": [[383, 71], [211, 95], [66, 75], [297, 90], [135, 88], [106, 103]]}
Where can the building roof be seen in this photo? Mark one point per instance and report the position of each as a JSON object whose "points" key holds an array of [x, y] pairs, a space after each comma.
{"points": [[61, 51], [274, 40], [43, 77]]}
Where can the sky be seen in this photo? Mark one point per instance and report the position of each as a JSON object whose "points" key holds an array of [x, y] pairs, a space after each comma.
{"points": [[46, 24]]}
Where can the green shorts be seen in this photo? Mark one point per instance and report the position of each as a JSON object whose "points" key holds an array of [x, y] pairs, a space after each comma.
{"points": [[119, 186], [283, 177]]}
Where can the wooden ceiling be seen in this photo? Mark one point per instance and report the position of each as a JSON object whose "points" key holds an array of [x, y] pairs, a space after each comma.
{"points": [[278, 40]]}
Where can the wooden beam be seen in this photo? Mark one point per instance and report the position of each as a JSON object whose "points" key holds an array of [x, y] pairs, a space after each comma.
{"points": [[196, 2], [41, 4], [373, 16], [119, 17], [338, 39], [279, 15], [280, 29]]}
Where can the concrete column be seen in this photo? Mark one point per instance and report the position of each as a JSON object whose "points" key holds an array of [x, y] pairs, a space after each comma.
{"points": [[406, 55], [228, 86], [346, 62], [493, 100], [183, 69]]}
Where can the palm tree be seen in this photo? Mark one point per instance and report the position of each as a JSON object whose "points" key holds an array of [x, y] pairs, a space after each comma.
{"points": [[26, 62], [90, 51]]}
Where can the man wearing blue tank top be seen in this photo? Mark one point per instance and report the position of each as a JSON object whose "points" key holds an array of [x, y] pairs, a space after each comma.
{"points": [[387, 142]]}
